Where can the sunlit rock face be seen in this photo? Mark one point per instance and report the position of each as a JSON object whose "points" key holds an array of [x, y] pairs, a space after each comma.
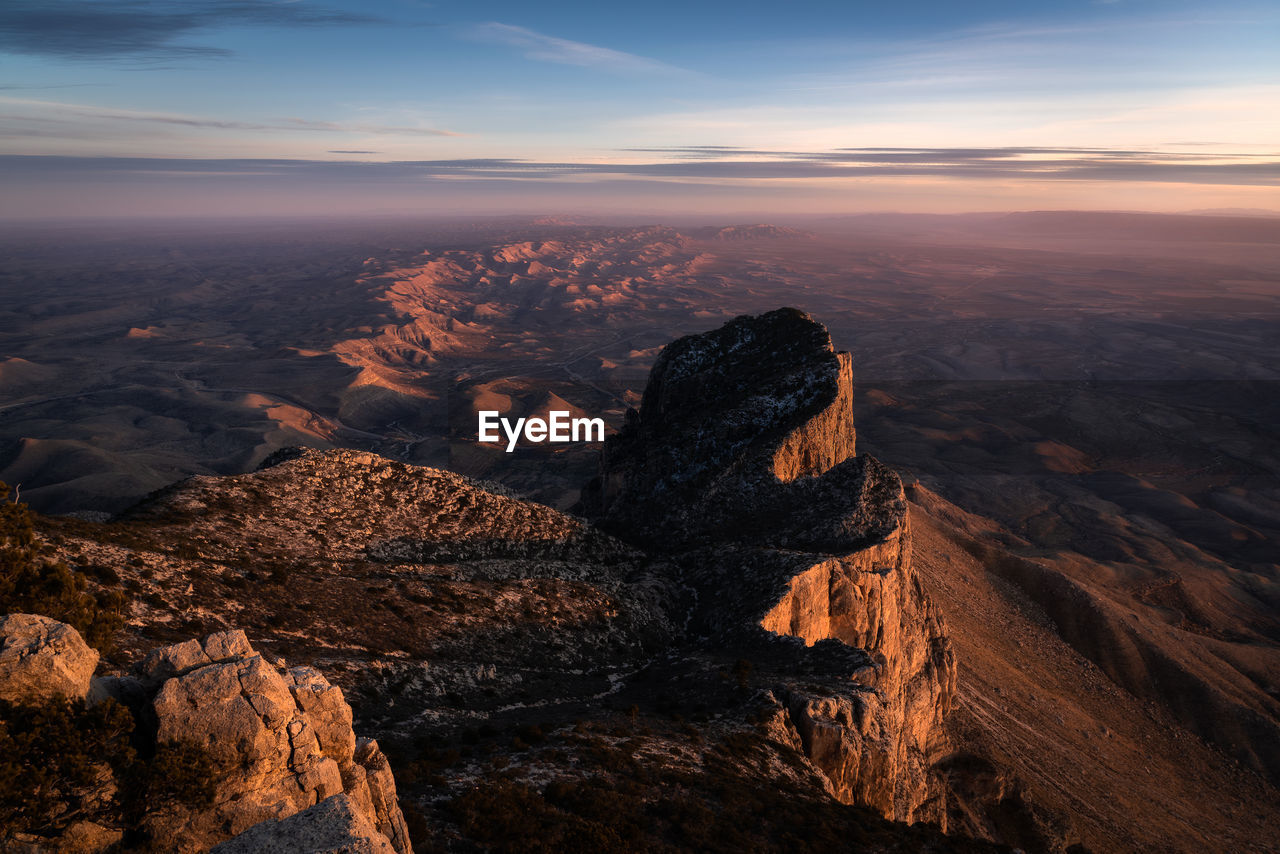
{"points": [[42, 659], [741, 462], [279, 739], [284, 733]]}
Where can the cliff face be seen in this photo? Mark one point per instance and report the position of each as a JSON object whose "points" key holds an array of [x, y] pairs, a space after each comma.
{"points": [[726, 417], [740, 464]]}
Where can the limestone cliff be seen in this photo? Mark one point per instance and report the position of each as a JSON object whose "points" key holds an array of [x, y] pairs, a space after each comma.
{"points": [[726, 417], [740, 464]]}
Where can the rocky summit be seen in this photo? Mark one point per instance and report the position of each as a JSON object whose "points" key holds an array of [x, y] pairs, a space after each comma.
{"points": [[729, 421], [740, 465]]}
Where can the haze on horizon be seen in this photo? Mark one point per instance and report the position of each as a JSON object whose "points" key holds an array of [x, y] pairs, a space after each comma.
{"points": [[254, 106]]}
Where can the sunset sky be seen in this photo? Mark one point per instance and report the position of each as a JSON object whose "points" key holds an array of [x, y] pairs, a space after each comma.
{"points": [[489, 107]]}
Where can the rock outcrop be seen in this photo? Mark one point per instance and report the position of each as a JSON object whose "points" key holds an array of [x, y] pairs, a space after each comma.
{"points": [[279, 739], [740, 464], [283, 735], [726, 418], [42, 659]]}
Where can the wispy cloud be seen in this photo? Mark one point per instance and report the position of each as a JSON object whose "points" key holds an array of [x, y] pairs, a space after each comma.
{"points": [[1030, 164], [13, 87], [346, 127], [144, 29], [535, 45], [44, 111]]}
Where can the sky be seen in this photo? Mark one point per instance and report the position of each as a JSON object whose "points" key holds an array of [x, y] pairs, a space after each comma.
{"points": [[189, 107]]}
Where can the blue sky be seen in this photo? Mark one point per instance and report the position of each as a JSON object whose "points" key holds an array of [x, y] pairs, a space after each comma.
{"points": [[693, 106]]}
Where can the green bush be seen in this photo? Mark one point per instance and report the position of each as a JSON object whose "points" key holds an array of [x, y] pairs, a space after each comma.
{"points": [[56, 764], [63, 762], [31, 583]]}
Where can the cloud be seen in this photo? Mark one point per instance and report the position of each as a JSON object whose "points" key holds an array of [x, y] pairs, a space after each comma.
{"points": [[44, 112], [400, 130], [8, 87], [1032, 164], [546, 48], [138, 30]]}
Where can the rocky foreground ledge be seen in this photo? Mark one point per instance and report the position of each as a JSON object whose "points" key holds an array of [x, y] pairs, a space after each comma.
{"points": [[278, 741]]}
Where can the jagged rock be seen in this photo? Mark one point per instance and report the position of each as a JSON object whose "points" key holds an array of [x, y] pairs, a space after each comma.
{"points": [[333, 826], [726, 417], [740, 463], [382, 792], [328, 711], [42, 659], [283, 739], [161, 664]]}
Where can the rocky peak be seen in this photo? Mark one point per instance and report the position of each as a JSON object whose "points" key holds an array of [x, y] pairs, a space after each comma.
{"points": [[726, 417], [740, 465], [759, 584]]}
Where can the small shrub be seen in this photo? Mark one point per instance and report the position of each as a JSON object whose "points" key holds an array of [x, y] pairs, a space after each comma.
{"points": [[54, 762], [31, 583], [180, 772]]}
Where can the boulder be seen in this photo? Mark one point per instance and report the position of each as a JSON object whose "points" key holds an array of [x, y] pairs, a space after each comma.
{"points": [[42, 659], [281, 737], [177, 659]]}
